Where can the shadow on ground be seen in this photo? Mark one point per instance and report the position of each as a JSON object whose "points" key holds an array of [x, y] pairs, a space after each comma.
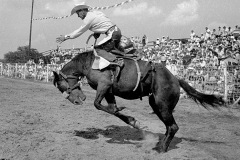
{"points": [[124, 135]]}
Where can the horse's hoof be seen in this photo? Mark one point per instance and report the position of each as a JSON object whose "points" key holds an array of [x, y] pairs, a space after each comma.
{"points": [[121, 108], [152, 112], [135, 124], [143, 128], [158, 149]]}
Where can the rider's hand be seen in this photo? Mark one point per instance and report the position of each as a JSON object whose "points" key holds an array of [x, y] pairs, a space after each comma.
{"points": [[96, 35], [61, 39]]}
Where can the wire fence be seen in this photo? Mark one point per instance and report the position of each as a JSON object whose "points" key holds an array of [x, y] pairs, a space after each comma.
{"points": [[223, 80]]}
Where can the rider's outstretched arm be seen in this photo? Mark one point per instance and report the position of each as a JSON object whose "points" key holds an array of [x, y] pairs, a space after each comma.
{"points": [[72, 35]]}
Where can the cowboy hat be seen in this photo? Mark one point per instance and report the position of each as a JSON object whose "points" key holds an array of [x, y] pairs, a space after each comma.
{"points": [[78, 7]]}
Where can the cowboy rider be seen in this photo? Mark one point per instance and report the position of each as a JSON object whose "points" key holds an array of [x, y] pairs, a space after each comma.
{"points": [[98, 23]]}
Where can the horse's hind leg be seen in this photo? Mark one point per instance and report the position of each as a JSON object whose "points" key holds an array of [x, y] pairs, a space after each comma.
{"points": [[165, 115]]}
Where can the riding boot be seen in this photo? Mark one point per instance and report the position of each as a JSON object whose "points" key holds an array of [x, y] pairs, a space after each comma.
{"points": [[120, 48]]}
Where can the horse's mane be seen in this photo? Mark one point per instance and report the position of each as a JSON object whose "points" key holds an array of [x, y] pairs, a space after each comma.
{"points": [[79, 58]]}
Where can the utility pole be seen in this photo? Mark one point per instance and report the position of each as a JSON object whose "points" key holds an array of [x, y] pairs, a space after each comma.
{"points": [[30, 35]]}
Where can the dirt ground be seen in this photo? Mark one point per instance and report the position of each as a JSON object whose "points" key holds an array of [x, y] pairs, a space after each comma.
{"points": [[37, 123]]}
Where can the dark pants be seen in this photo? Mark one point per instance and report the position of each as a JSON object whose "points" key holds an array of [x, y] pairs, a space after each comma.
{"points": [[112, 44]]}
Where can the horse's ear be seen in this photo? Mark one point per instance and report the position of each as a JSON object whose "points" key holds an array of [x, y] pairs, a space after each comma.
{"points": [[56, 78]]}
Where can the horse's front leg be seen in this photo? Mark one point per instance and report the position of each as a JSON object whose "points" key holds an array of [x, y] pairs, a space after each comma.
{"points": [[102, 91], [110, 98]]}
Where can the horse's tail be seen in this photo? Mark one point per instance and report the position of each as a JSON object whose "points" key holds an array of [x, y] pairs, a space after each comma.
{"points": [[205, 100]]}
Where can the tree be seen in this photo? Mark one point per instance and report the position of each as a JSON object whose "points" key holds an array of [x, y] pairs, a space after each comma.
{"points": [[22, 55], [2, 60]]}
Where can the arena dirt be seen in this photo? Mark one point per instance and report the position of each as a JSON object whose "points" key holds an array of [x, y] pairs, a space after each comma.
{"points": [[37, 123]]}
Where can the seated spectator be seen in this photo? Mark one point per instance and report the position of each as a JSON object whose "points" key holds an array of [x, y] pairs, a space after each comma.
{"points": [[219, 33], [214, 34], [163, 40], [207, 34], [192, 35], [157, 42], [163, 60], [144, 40], [225, 31]]}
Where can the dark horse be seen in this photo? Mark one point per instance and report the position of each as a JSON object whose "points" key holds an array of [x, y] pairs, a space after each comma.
{"points": [[162, 88]]}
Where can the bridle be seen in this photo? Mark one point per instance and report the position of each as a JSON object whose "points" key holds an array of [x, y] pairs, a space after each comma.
{"points": [[69, 88]]}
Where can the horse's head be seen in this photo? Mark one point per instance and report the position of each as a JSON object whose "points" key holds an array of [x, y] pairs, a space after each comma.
{"points": [[70, 88]]}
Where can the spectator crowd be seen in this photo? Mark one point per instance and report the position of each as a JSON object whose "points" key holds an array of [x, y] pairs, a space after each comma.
{"points": [[210, 48]]}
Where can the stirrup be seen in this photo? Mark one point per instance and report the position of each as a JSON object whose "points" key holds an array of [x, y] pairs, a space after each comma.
{"points": [[120, 62], [117, 71], [114, 64]]}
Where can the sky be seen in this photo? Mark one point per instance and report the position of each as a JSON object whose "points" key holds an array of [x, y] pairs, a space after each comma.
{"points": [[155, 18]]}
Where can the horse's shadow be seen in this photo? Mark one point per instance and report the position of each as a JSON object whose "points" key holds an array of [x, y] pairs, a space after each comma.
{"points": [[124, 135]]}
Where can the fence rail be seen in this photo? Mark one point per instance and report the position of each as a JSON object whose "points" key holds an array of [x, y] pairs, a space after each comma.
{"points": [[223, 80]]}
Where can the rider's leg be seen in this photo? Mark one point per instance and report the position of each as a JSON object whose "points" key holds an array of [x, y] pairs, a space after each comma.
{"points": [[119, 47], [116, 37], [109, 45], [115, 64]]}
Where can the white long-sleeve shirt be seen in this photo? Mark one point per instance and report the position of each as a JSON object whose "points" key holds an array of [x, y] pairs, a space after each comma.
{"points": [[94, 21]]}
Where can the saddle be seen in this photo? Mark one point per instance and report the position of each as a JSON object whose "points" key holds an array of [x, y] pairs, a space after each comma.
{"points": [[128, 55], [115, 60], [149, 69], [131, 53]]}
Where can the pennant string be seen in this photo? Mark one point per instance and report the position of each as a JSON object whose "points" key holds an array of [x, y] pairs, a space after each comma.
{"points": [[93, 8]]}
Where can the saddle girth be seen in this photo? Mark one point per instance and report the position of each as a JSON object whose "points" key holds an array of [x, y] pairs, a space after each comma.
{"points": [[141, 77]]}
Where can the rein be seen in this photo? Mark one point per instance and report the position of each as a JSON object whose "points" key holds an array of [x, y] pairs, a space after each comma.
{"points": [[69, 89]]}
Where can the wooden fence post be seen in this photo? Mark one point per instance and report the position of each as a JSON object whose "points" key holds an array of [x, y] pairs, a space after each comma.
{"points": [[16, 71], [24, 72], [35, 68], [225, 83], [8, 69], [1, 68], [47, 72]]}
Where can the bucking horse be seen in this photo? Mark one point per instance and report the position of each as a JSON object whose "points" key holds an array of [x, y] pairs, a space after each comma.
{"points": [[136, 79]]}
